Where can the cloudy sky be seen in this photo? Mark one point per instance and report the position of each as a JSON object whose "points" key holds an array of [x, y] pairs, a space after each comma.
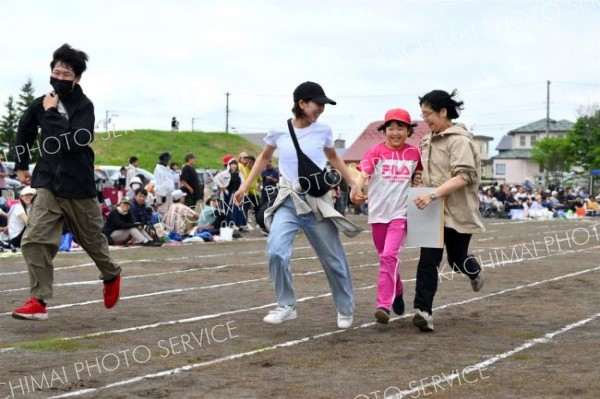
{"points": [[152, 60]]}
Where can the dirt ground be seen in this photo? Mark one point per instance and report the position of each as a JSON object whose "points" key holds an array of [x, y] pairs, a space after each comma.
{"points": [[189, 324]]}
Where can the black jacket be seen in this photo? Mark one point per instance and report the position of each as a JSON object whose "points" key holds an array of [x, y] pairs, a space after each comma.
{"points": [[189, 175], [116, 221], [66, 162]]}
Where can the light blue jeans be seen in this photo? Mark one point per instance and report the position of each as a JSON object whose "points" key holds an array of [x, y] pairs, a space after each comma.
{"points": [[325, 239]]}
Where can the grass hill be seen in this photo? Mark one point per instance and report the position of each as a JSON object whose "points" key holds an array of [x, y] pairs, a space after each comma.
{"points": [[115, 147]]}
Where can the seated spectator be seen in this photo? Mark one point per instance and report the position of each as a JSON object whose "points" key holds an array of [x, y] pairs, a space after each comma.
{"points": [[18, 216], [212, 216], [121, 228], [592, 207], [520, 194], [180, 218], [144, 213], [576, 203], [136, 183]]}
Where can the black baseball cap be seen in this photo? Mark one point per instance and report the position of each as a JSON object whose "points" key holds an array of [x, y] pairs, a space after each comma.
{"points": [[312, 91]]}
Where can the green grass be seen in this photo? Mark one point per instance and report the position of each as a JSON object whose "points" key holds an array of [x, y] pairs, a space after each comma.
{"points": [[115, 147], [53, 345]]}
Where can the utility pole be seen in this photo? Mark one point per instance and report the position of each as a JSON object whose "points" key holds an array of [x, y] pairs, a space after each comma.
{"points": [[109, 114], [548, 108], [227, 113], [194, 119]]}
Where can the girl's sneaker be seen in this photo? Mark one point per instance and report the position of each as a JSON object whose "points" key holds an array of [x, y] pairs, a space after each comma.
{"points": [[280, 314], [398, 305], [382, 315]]}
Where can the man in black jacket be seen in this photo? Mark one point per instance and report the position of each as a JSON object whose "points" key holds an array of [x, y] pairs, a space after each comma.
{"points": [[190, 183], [64, 179]]}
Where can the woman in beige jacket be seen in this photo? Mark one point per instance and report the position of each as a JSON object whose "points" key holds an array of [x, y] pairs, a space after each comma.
{"points": [[451, 167]]}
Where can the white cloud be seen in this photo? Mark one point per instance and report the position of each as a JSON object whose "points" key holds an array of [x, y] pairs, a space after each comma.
{"points": [[150, 60]]}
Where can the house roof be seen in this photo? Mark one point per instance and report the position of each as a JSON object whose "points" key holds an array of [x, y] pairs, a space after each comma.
{"points": [[514, 154], [481, 137], [371, 136], [540, 126], [505, 143]]}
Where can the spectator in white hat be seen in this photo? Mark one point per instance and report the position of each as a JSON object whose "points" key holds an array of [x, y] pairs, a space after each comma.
{"points": [[180, 218], [135, 184], [18, 216]]}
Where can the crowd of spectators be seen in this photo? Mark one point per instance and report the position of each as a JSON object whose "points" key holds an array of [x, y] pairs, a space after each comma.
{"points": [[524, 201]]}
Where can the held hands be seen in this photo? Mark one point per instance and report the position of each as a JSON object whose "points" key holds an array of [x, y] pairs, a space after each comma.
{"points": [[50, 101], [417, 179], [356, 194]]}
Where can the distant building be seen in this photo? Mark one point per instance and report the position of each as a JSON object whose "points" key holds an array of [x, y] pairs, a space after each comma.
{"points": [[483, 146], [513, 163]]}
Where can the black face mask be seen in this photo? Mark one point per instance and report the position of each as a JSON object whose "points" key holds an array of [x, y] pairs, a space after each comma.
{"points": [[61, 87]]}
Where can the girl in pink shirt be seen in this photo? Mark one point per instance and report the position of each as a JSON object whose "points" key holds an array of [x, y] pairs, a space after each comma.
{"points": [[389, 167]]}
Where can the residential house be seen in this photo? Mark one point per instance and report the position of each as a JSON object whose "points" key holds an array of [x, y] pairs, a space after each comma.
{"points": [[513, 164], [482, 143]]}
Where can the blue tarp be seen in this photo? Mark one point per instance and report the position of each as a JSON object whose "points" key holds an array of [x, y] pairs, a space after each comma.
{"points": [[595, 172]]}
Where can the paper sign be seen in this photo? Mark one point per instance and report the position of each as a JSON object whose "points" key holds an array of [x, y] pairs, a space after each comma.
{"points": [[425, 227]]}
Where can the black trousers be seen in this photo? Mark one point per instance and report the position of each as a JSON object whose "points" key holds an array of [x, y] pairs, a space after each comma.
{"points": [[457, 246]]}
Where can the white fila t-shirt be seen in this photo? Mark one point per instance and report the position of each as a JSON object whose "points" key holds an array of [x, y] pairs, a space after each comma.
{"points": [[390, 175], [312, 140]]}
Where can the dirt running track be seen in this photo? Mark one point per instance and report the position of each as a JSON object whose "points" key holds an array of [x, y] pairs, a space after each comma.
{"points": [[189, 324]]}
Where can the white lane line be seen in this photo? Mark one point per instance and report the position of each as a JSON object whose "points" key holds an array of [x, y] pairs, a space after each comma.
{"points": [[211, 255], [501, 356], [213, 286], [194, 269], [181, 369]]}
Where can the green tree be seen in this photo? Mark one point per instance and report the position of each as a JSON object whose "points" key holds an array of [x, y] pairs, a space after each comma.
{"points": [[26, 97], [8, 129], [554, 157], [584, 140]]}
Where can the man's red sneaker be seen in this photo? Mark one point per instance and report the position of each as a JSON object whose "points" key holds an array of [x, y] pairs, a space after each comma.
{"points": [[112, 291], [32, 310]]}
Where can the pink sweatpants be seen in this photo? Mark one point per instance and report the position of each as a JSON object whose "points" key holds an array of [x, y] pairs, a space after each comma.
{"points": [[388, 238]]}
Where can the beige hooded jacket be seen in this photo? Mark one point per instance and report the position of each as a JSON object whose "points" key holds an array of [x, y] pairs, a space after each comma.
{"points": [[445, 155]]}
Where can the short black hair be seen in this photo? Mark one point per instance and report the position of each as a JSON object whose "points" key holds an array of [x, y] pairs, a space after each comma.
{"points": [[439, 99], [76, 59], [189, 156], [133, 159], [141, 191], [411, 128]]}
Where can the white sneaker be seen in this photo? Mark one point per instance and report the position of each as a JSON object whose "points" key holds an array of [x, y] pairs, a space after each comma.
{"points": [[344, 321], [423, 320], [477, 282], [280, 314], [247, 228]]}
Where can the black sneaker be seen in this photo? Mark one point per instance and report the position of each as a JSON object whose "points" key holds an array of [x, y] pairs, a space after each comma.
{"points": [[398, 305], [382, 315]]}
